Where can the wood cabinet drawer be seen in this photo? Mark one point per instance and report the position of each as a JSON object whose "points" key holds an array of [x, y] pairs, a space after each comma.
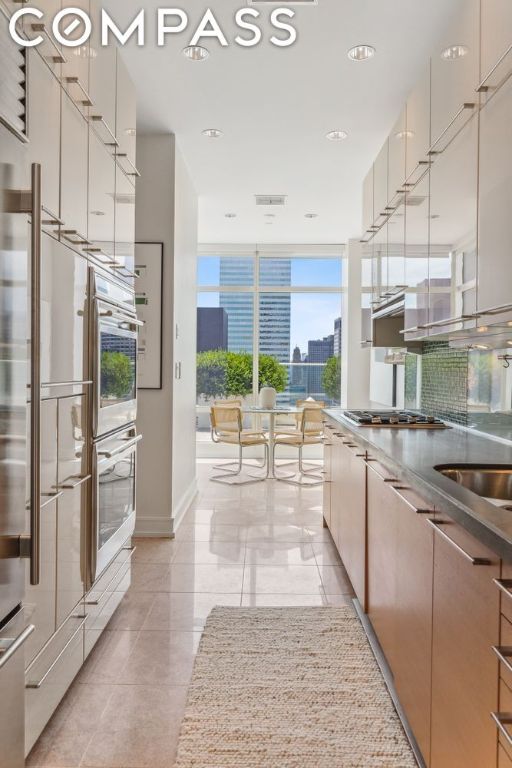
{"points": [[505, 586], [50, 675], [504, 761], [505, 706]]}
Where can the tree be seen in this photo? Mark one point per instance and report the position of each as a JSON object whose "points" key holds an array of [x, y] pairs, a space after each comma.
{"points": [[331, 378], [116, 374], [228, 374]]}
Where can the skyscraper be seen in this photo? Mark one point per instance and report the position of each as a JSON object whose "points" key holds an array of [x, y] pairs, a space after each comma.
{"points": [[212, 328], [319, 351], [239, 306], [274, 310]]}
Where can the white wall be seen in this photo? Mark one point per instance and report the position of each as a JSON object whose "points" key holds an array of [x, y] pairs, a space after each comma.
{"points": [[184, 485], [355, 369], [166, 211]]}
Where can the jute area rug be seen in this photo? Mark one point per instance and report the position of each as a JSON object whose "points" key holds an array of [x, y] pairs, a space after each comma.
{"points": [[289, 688]]}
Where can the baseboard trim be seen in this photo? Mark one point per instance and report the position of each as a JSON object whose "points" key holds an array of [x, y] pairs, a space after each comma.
{"points": [[154, 527], [183, 505]]}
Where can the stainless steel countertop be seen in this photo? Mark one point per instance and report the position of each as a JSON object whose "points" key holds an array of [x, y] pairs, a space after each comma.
{"points": [[413, 453]]}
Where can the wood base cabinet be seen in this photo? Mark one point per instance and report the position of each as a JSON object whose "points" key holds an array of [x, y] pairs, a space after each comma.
{"points": [[348, 510], [464, 668], [400, 565]]}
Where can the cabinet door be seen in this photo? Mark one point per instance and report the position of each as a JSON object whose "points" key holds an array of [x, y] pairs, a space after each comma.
{"points": [[102, 185], [75, 70], [126, 114], [327, 477], [397, 147], [39, 600], [337, 490], [495, 201], [417, 258], [396, 251], [456, 68], [102, 83], [453, 228], [63, 313], [44, 94], [496, 39], [72, 505], [464, 669], [368, 216], [125, 226], [412, 663], [382, 558], [418, 122], [352, 517], [380, 180], [74, 167], [380, 264]]}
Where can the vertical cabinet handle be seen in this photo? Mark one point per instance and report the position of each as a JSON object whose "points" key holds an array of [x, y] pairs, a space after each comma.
{"points": [[35, 376]]}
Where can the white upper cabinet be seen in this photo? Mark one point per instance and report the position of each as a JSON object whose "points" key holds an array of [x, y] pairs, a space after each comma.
{"points": [[417, 258], [418, 125], [44, 94], [102, 193], [453, 232], [73, 172], [126, 119], [380, 181], [102, 86], [496, 41], [125, 226], [455, 73], [495, 201], [396, 157], [368, 216], [75, 69]]}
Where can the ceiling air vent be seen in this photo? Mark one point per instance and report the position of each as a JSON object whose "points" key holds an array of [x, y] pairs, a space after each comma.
{"points": [[270, 199]]}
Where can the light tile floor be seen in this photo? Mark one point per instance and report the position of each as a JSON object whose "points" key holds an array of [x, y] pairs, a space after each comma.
{"points": [[255, 545]]}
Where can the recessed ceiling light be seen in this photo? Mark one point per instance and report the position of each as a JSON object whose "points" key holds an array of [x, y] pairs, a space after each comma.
{"points": [[509, 343], [336, 135], [196, 52], [404, 135], [454, 52], [230, 215], [213, 133], [361, 52], [311, 215]]}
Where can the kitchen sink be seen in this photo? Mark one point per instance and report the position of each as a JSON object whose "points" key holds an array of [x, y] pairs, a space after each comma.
{"points": [[492, 482]]}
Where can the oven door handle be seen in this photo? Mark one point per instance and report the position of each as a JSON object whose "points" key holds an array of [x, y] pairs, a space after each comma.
{"points": [[121, 449], [124, 318]]}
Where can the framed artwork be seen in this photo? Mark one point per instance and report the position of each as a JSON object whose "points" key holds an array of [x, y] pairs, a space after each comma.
{"points": [[149, 259]]}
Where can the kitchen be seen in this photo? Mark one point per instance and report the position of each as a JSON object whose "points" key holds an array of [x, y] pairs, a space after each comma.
{"points": [[109, 526]]}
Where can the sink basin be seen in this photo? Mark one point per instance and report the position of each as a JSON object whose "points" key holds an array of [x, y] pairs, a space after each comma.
{"points": [[493, 482]]}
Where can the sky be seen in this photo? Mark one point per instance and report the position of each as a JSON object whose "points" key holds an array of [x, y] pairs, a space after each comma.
{"points": [[312, 315]]}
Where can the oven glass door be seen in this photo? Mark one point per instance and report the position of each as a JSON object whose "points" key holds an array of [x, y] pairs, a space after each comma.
{"points": [[118, 363], [116, 496]]}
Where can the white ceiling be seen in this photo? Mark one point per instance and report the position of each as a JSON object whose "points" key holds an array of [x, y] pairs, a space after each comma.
{"points": [[275, 106]]}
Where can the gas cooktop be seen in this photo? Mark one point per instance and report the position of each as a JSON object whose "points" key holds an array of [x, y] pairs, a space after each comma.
{"points": [[397, 419]]}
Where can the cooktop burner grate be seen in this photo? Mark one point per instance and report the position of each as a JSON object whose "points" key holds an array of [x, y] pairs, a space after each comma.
{"points": [[405, 419]]}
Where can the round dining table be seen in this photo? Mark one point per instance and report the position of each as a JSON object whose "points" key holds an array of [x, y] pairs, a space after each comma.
{"points": [[271, 413]]}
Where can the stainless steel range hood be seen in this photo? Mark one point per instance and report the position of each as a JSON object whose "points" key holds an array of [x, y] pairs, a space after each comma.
{"points": [[388, 321]]}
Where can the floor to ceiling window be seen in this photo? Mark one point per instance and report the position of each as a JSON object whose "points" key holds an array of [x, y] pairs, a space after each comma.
{"points": [[268, 316]]}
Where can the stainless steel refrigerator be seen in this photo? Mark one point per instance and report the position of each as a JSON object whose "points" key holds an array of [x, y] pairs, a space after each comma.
{"points": [[19, 241]]}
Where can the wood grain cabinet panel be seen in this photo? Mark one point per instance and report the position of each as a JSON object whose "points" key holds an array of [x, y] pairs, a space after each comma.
{"points": [[400, 565], [464, 668], [348, 511]]}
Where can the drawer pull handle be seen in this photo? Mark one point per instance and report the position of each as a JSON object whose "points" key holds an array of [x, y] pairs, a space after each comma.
{"points": [[73, 482], [132, 169], [97, 601], [483, 87], [111, 140], [437, 525], [505, 585], [85, 100], [53, 220], [504, 654], [38, 684], [57, 56], [418, 511], [9, 647], [502, 719]]}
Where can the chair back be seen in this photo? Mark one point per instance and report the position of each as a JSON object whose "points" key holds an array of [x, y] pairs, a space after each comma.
{"points": [[235, 401], [312, 422], [225, 419], [310, 404]]}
